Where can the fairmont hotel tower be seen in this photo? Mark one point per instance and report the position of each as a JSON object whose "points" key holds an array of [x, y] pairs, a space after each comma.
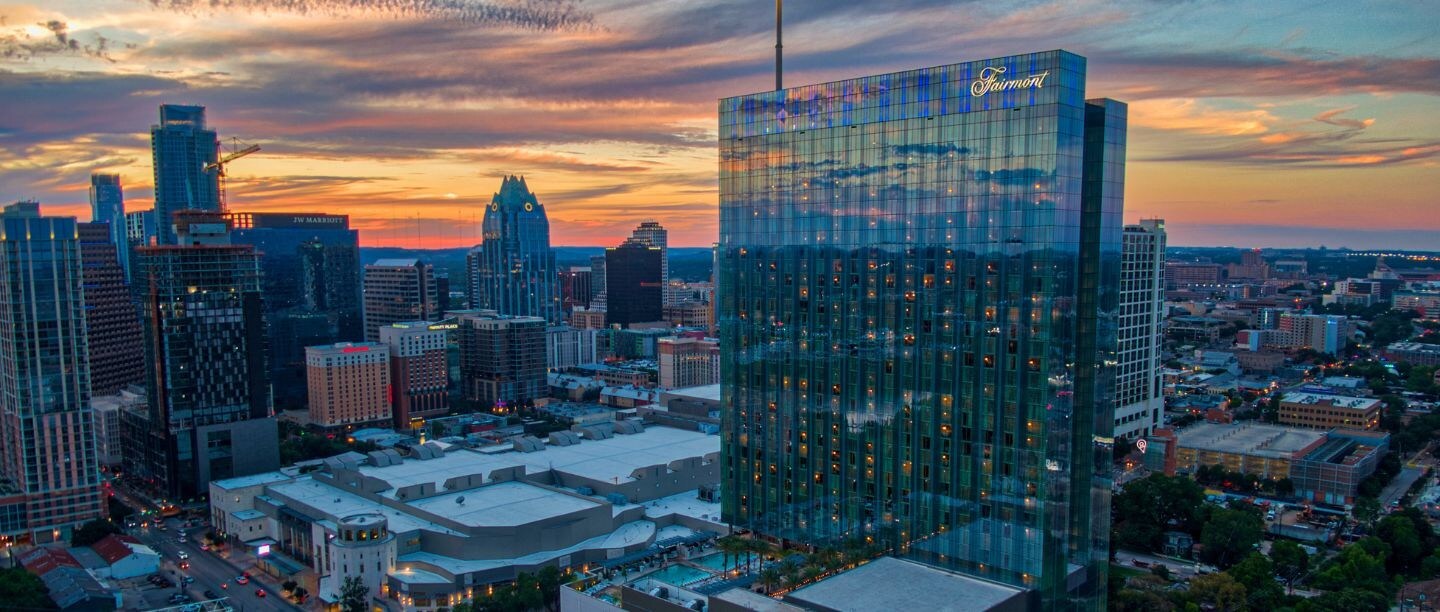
{"points": [[917, 292]]}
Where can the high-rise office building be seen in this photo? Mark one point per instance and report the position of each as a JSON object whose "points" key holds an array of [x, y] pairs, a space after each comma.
{"points": [[632, 284], [917, 295], [210, 414], [349, 384], [574, 289], [396, 291], [653, 234], [112, 324], [311, 263], [513, 271], [140, 227], [597, 281], [1139, 397], [107, 205], [311, 275], [181, 146], [49, 470], [502, 359], [419, 372]]}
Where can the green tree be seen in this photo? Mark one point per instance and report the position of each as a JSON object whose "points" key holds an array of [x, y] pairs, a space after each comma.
{"points": [[1358, 566], [1291, 561], [1149, 506], [21, 590], [1229, 535], [1219, 592], [770, 577], [354, 595], [93, 532], [1257, 574], [550, 579], [1406, 547], [1345, 600], [731, 545], [1366, 510]]}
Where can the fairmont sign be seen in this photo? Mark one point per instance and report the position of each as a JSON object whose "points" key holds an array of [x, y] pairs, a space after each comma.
{"points": [[991, 80]]}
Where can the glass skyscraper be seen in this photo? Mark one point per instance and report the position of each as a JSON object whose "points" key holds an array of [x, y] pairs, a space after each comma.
{"points": [[210, 411], [181, 146], [49, 472], [107, 205], [311, 279], [917, 285], [513, 271]]}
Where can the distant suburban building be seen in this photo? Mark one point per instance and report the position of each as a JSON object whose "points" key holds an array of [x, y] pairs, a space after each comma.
{"points": [[1330, 411], [1325, 467], [1416, 353], [1180, 275]]}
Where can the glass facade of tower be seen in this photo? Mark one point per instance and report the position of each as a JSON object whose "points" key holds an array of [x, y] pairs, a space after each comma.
{"points": [[311, 281], [181, 146], [205, 352], [916, 308], [513, 271], [107, 205], [49, 472]]}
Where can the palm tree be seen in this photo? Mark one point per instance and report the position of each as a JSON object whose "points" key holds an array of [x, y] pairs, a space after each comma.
{"points": [[760, 548], [769, 577], [730, 545]]}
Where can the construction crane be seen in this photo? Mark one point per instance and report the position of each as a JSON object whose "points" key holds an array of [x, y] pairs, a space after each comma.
{"points": [[218, 166]]}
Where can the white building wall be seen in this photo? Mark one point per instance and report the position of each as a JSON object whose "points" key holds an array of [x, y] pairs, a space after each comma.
{"points": [[1139, 400]]}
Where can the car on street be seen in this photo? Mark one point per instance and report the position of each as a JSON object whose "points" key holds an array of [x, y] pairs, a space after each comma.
{"points": [[259, 592], [183, 555], [242, 580]]}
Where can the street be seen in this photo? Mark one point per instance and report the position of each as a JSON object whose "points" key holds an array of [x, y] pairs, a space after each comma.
{"points": [[1399, 486], [210, 571], [1181, 570]]}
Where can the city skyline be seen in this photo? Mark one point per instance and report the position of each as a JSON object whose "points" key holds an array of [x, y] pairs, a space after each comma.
{"points": [[1266, 126]]}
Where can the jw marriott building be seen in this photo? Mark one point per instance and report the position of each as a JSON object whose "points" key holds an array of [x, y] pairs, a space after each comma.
{"points": [[917, 290]]}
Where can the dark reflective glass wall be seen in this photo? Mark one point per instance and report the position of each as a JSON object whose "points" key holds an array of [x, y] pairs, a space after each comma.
{"points": [[916, 308]]}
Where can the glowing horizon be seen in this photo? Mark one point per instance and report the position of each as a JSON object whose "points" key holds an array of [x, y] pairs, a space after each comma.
{"points": [[1276, 126]]}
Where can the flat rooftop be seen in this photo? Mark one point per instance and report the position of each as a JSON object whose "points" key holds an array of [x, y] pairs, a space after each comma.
{"points": [[505, 504], [702, 392], [1337, 401], [613, 459], [1249, 438], [265, 478], [322, 497], [875, 586]]}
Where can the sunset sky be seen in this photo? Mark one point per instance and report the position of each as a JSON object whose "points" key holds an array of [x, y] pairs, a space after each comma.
{"points": [[1274, 123]]}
